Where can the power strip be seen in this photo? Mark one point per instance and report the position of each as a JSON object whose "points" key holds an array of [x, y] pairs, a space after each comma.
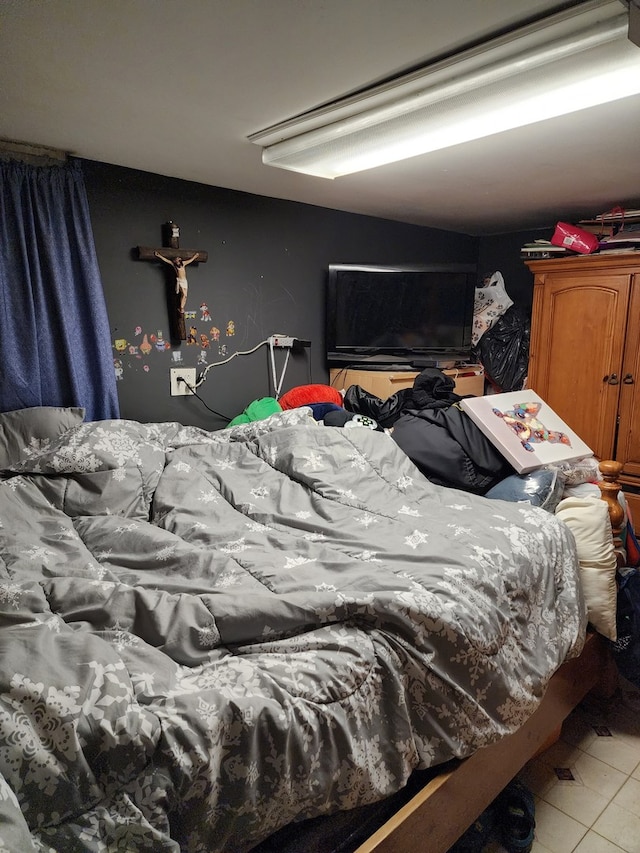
{"points": [[288, 342], [284, 341]]}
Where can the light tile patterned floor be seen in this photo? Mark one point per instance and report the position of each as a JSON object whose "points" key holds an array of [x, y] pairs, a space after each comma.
{"points": [[587, 785]]}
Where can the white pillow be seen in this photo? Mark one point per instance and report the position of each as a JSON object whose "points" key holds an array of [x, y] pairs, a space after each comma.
{"points": [[588, 520]]}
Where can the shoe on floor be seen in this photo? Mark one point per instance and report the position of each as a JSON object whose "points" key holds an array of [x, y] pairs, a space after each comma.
{"points": [[515, 817]]}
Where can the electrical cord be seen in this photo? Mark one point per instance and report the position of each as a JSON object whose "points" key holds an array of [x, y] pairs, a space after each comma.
{"points": [[227, 360], [198, 397], [277, 384]]}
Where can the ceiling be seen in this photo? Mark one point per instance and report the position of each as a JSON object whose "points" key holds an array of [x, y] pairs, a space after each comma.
{"points": [[175, 87]]}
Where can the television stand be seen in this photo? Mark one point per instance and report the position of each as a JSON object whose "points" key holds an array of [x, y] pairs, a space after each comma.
{"points": [[386, 366], [468, 379], [442, 363]]}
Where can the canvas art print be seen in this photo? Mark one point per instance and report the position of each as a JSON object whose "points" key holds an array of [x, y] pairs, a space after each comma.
{"points": [[525, 429]]}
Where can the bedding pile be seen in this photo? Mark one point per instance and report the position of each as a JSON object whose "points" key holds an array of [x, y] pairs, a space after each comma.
{"points": [[205, 636]]}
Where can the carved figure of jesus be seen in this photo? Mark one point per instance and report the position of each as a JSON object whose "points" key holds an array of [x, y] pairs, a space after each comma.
{"points": [[182, 286]]}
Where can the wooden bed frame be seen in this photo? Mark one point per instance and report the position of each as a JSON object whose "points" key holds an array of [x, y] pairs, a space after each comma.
{"points": [[438, 814]]}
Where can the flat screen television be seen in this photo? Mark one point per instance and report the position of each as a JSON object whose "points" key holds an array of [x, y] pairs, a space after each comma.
{"points": [[405, 315]]}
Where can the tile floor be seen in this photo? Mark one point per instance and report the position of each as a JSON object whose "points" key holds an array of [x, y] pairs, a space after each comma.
{"points": [[587, 785]]}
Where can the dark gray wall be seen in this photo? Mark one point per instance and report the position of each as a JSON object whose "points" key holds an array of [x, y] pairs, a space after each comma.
{"points": [[502, 252], [265, 273]]}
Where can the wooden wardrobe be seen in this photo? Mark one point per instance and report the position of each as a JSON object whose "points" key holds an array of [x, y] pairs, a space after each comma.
{"points": [[585, 353]]}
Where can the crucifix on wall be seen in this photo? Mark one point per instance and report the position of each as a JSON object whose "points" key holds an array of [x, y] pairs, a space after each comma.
{"points": [[178, 259]]}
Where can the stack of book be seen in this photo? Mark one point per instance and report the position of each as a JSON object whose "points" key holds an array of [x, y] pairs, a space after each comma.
{"points": [[618, 230], [543, 249], [627, 239], [608, 224]]}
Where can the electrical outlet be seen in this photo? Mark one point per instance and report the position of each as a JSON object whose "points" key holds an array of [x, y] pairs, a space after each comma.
{"points": [[179, 388]]}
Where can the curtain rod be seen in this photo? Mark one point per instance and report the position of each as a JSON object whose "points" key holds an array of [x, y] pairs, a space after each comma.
{"points": [[35, 155]]}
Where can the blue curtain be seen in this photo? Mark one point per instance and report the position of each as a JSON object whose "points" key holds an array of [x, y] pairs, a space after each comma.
{"points": [[55, 347]]}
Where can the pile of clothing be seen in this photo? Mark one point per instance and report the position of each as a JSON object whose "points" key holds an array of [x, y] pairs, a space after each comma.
{"points": [[435, 433]]}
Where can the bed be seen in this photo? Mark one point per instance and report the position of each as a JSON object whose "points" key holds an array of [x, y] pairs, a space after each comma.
{"points": [[210, 637]]}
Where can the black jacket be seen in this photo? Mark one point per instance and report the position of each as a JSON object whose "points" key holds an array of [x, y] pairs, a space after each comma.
{"points": [[438, 437], [449, 449]]}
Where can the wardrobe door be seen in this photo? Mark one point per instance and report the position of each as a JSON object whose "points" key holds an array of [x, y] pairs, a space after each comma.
{"points": [[577, 343], [628, 449]]}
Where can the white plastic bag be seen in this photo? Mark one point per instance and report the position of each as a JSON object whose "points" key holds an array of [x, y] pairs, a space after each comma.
{"points": [[491, 301]]}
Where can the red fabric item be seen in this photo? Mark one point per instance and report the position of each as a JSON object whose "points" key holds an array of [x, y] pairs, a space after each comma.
{"points": [[303, 395], [631, 544]]}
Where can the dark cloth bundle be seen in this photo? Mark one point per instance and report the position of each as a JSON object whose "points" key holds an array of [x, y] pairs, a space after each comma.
{"points": [[626, 650], [450, 450], [435, 433]]}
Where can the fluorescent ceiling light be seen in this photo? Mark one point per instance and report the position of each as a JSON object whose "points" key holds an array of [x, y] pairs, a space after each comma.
{"points": [[571, 61]]}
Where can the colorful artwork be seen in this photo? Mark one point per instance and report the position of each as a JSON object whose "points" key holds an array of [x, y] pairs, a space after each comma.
{"points": [[526, 430], [524, 422]]}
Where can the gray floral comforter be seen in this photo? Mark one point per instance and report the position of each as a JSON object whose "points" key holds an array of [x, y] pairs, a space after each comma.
{"points": [[204, 636]]}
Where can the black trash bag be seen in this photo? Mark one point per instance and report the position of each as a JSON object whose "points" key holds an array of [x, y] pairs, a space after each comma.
{"points": [[626, 649], [503, 350], [385, 412]]}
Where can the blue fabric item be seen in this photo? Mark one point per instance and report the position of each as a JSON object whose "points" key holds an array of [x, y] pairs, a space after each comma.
{"points": [[55, 344], [543, 487], [320, 409]]}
